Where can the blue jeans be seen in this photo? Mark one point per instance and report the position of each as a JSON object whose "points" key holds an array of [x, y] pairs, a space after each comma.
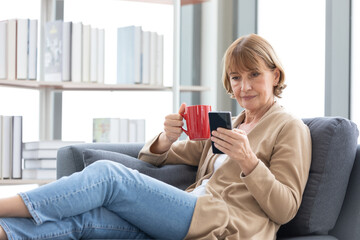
{"points": [[106, 200]]}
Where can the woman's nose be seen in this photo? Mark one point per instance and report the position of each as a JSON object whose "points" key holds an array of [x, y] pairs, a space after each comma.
{"points": [[246, 85]]}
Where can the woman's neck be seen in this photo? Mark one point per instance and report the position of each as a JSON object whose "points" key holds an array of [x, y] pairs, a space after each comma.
{"points": [[254, 117]]}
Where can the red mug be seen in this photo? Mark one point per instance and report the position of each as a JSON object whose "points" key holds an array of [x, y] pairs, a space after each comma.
{"points": [[197, 122]]}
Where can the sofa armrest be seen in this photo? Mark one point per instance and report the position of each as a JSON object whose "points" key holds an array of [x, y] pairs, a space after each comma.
{"points": [[70, 158]]}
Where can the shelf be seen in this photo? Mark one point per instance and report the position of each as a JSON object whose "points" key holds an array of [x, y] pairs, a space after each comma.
{"points": [[70, 86], [25, 181], [183, 2]]}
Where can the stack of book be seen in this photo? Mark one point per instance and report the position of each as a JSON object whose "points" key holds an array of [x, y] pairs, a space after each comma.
{"points": [[40, 158], [74, 52], [10, 147], [18, 49], [118, 130], [139, 56]]}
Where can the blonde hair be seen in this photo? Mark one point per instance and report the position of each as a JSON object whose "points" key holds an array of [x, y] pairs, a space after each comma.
{"points": [[245, 54]]}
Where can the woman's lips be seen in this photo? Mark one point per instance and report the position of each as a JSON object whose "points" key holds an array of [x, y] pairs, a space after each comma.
{"points": [[247, 97]]}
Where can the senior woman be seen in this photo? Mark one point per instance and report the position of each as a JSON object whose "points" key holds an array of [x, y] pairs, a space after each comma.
{"points": [[245, 193]]}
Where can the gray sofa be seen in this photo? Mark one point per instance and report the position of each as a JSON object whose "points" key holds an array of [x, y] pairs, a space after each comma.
{"points": [[330, 208]]}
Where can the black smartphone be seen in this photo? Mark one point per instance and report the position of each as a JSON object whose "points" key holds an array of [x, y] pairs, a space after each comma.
{"points": [[219, 119]]}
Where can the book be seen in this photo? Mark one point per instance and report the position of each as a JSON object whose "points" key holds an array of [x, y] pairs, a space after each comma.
{"points": [[6, 146], [106, 130], [66, 53], [53, 51], [39, 153], [48, 144], [86, 39], [76, 52], [3, 49], [123, 130], [93, 54], [140, 130], [153, 55], [1, 142], [39, 174], [32, 48], [132, 130], [145, 58], [16, 146], [39, 163], [22, 48], [129, 55], [101, 56], [160, 60], [11, 49]]}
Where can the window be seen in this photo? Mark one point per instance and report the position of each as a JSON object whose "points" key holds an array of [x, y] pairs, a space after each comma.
{"points": [[355, 61], [296, 30]]}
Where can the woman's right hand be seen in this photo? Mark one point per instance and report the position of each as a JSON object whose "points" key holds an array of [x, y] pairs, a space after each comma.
{"points": [[172, 130], [173, 125]]}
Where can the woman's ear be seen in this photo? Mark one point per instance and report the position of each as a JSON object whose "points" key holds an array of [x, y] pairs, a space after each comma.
{"points": [[276, 76]]}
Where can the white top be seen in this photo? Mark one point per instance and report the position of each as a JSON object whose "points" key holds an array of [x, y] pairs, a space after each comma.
{"points": [[200, 190]]}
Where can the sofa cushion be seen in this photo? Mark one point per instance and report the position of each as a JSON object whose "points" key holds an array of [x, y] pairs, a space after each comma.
{"points": [[334, 142], [180, 176]]}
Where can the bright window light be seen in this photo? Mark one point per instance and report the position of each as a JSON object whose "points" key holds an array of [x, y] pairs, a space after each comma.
{"points": [[296, 30]]}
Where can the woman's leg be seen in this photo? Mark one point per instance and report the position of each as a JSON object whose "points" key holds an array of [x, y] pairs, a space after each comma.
{"points": [[160, 210], [13, 207], [99, 223]]}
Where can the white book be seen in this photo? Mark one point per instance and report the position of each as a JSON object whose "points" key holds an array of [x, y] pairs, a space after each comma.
{"points": [[3, 49], [132, 130], [129, 55], [39, 163], [66, 52], [17, 147], [33, 40], [22, 48], [39, 174], [94, 54], [76, 52], [124, 130], [7, 146], [48, 144], [140, 130], [1, 133], [153, 55], [53, 51], [39, 153], [114, 130], [145, 60], [160, 60], [86, 39], [11, 49], [101, 56]]}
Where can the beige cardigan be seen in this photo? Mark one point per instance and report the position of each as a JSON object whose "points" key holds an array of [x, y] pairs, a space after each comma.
{"points": [[254, 206]]}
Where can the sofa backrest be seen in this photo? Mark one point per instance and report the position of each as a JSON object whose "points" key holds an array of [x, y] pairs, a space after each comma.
{"points": [[334, 143], [348, 224]]}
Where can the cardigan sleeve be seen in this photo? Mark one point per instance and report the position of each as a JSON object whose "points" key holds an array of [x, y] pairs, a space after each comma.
{"points": [[278, 188], [181, 152]]}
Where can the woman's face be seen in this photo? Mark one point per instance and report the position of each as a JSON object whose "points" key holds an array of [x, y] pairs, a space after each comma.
{"points": [[253, 90]]}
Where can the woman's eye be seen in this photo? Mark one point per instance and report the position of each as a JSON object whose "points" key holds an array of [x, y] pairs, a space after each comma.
{"points": [[255, 74], [235, 78]]}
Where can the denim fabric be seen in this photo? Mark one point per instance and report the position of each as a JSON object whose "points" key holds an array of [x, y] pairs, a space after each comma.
{"points": [[105, 200]]}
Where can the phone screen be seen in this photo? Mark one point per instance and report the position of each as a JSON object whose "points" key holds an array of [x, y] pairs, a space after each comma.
{"points": [[219, 119]]}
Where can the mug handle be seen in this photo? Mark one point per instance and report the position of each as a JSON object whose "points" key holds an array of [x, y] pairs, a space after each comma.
{"points": [[185, 130]]}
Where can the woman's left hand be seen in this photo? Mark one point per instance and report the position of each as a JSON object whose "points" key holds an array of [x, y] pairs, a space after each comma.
{"points": [[236, 145]]}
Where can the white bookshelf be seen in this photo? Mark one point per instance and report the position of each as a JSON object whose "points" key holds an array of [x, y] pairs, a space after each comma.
{"points": [[47, 89], [25, 181]]}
